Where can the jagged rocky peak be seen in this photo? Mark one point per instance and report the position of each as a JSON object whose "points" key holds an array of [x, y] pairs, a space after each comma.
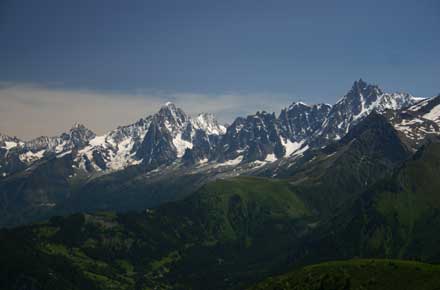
{"points": [[8, 141], [30, 151], [429, 108], [171, 116], [79, 135], [4, 137], [115, 150], [395, 101], [360, 87], [175, 119], [252, 138], [77, 125], [9, 160], [299, 120], [261, 121], [262, 115], [155, 140], [79, 128], [359, 102], [301, 106], [208, 123], [419, 121], [136, 130], [172, 133], [297, 105], [366, 97], [360, 97]]}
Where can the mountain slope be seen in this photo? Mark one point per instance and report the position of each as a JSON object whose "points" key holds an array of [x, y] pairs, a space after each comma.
{"points": [[326, 178], [358, 103], [358, 274], [151, 142], [330, 176], [419, 122], [171, 134], [118, 149], [17, 155], [394, 218], [299, 121], [229, 233], [170, 154], [234, 232]]}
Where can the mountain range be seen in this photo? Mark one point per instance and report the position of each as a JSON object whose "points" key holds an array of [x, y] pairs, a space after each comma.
{"points": [[181, 202], [171, 135], [79, 170]]}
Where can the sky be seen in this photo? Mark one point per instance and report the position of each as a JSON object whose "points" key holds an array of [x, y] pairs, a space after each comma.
{"points": [[109, 63]]}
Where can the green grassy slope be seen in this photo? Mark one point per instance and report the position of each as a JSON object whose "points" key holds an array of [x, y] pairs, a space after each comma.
{"points": [[247, 201], [236, 231], [396, 218], [410, 202], [357, 275], [230, 233], [327, 178]]}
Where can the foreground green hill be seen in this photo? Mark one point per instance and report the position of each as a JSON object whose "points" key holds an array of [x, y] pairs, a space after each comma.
{"points": [[357, 275], [230, 233]]}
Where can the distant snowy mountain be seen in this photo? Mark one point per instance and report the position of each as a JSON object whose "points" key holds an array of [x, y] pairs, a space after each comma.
{"points": [[419, 121], [171, 136], [207, 123], [17, 154], [114, 150], [168, 155], [255, 137], [299, 121], [264, 137], [9, 159], [358, 103], [153, 141]]}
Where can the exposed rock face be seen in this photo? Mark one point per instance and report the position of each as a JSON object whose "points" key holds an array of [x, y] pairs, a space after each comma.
{"points": [[171, 135], [358, 103], [418, 122], [299, 121]]}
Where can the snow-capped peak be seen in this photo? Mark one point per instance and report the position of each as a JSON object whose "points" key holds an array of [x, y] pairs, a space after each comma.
{"points": [[298, 104], [77, 125], [79, 135], [172, 117], [171, 135], [169, 106], [209, 124], [419, 120], [8, 142], [359, 102]]}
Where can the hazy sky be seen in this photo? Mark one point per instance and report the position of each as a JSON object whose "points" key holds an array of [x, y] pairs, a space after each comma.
{"points": [[108, 63]]}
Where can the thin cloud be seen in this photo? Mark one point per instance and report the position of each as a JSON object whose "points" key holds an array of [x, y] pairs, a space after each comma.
{"points": [[31, 110]]}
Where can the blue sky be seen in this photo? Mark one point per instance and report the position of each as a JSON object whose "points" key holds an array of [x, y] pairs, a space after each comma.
{"points": [[260, 54]]}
